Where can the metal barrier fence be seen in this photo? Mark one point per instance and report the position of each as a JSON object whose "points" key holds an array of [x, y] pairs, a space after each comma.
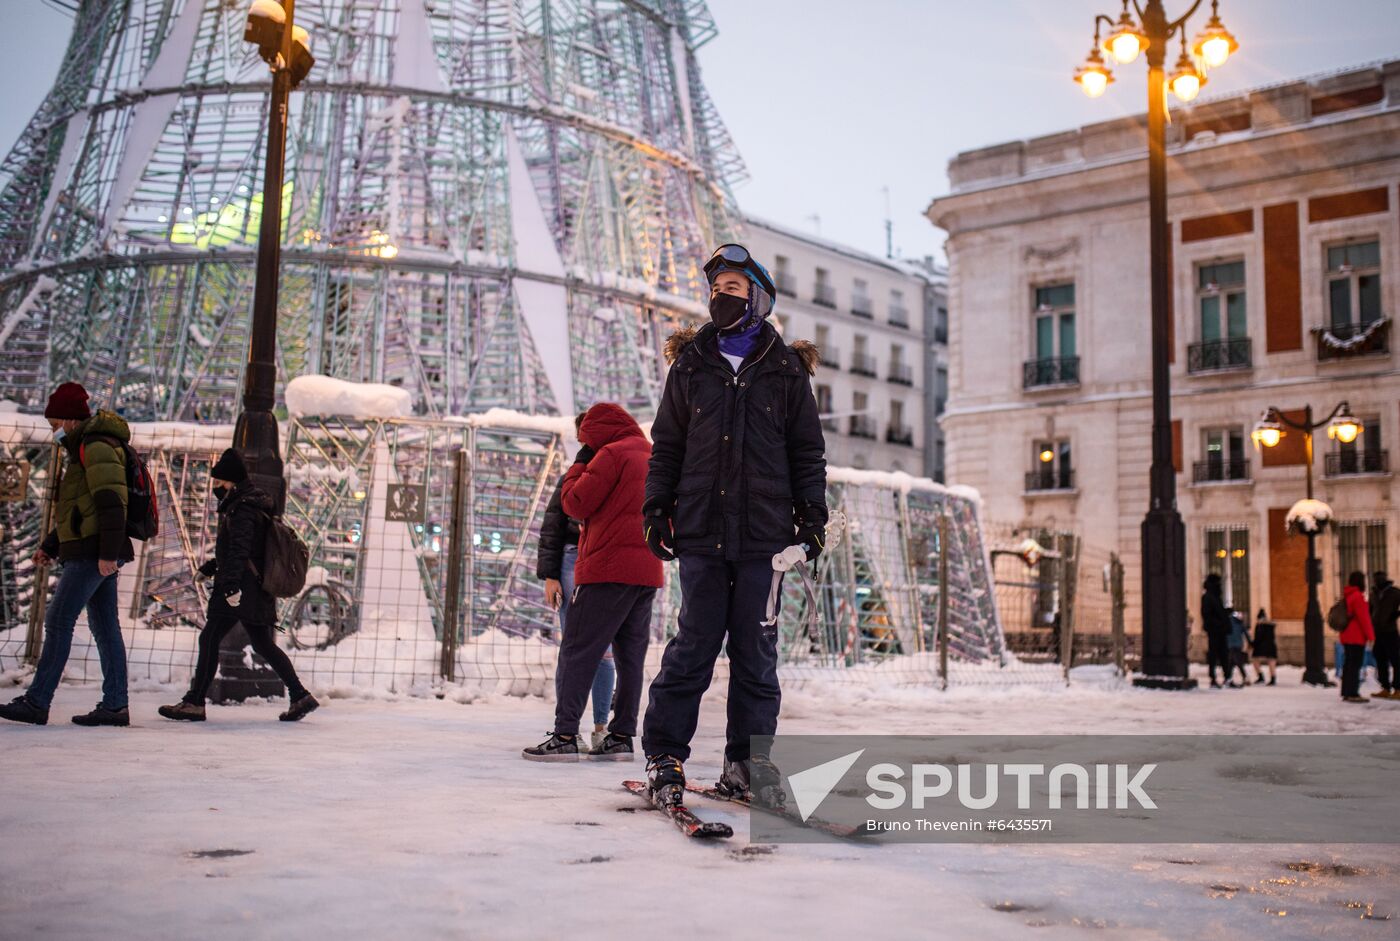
{"points": [[423, 536]]}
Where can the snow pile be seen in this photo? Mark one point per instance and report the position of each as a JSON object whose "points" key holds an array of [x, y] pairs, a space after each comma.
{"points": [[1308, 516], [1355, 342], [180, 436], [42, 285], [900, 481], [504, 418], [324, 396]]}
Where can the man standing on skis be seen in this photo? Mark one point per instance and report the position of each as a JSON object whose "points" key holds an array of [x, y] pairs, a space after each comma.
{"points": [[737, 474]]}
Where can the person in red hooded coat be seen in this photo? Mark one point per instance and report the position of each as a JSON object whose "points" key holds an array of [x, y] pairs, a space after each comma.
{"points": [[1357, 635], [615, 580]]}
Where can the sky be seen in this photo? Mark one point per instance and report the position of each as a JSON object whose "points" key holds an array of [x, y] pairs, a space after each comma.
{"points": [[830, 103]]}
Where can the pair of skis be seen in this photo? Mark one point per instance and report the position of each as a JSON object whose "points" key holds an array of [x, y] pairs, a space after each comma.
{"points": [[694, 827]]}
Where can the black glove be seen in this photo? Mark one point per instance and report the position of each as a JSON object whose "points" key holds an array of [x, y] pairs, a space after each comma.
{"points": [[811, 530], [660, 538], [585, 454], [209, 569]]}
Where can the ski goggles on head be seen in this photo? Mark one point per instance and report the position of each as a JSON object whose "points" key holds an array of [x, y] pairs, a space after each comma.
{"points": [[737, 258]]}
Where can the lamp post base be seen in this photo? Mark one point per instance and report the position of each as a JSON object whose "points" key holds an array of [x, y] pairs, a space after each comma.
{"points": [[1165, 682]]}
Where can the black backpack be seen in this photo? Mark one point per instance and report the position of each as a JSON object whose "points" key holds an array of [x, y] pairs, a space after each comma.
{"points": [[1338, 617], [285, 560], [142, 507]]}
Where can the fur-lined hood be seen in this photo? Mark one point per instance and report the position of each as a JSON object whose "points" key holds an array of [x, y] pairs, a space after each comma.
{"points": [[677, 343]]}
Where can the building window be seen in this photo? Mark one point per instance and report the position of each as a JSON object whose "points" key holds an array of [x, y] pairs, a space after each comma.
{"points": [[783, 321], [822, 292], [940, 390], [940, 326], [862, 363], [900, 372], [939, 464], [1353, 287], [860, 300], [1055, 359], [830, 355], [898, 432], [899, 314], [782, 276], [862, 423], [1362, 456], [825, 407], [1227, 555], [1224, 328], [1360, 548], [1051, 466], [1225, 458]]}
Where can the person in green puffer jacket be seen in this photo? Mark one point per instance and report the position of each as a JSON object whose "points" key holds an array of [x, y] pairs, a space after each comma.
{"points": [[89, 542]]}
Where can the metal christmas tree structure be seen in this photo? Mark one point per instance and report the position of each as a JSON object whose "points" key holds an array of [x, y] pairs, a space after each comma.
{"points": [[488, 202]]}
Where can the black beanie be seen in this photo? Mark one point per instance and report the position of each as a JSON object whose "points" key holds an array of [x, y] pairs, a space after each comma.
{"points": [[230, 467]]}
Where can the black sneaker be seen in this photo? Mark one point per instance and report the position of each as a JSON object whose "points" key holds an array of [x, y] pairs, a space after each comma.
{"points": [[26, 710], [613, 748], [299, 709], [183, 711], [555, 748], [101, 715], [666, 779]]}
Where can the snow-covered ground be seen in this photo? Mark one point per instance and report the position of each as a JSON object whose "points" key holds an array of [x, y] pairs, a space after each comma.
{"points": [[416, 818]]}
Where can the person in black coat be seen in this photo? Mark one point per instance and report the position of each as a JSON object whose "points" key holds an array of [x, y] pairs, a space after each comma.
{"points": [[1385, 611], [237, 595], [737, 475], [1216, 621], [1265, 648]]}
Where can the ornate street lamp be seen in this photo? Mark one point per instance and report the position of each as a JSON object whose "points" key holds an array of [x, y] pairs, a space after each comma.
{"points": [[1341, 426], [1164, 662]]}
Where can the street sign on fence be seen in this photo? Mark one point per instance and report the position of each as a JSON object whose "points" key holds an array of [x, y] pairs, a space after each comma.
{"points": [[405, 504]]}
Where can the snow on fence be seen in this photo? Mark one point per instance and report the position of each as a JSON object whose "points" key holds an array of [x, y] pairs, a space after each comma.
{"points": [[423, 536]]}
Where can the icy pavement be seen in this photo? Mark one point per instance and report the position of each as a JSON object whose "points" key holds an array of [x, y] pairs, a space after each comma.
{"points": [[416, 818]]}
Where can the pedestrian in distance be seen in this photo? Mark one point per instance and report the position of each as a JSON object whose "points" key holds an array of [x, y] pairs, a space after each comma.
{"points": [[90, 543], [1265, 648], [237, 596], [616, 580], [737, 476], [555, 562], [1238, 640], [1215, 620], [1385, 610], [1354, 639]]}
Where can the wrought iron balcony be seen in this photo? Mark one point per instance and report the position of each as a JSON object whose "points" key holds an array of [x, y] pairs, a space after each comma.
{"points": [[900, 434], [901, 374], [860, 307], [1357, 461], [863, 426], [1059, 371], [1214, 355], [830, 356], [1345, 341], [785, 283], [863, 364], [899, 317], [1049, 478], [940, 334], [1219, 471], [824, 295]]}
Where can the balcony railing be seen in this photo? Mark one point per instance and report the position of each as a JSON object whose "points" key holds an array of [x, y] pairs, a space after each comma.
{"points": [[1359, 461], [1212, 355], [1208, 472], [940, 406], [940, 334], [863, 364], [824, 294], [1060, 371], [860, 307], [1345, 341], [899, 317], [900, 434], [829, 424], [785, 283], [901, 374], [1049, 479], [830, 356], [863, 426]]}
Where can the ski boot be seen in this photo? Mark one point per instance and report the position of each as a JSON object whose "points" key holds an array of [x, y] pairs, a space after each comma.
{"points": [[754, 778], [666, 780]]}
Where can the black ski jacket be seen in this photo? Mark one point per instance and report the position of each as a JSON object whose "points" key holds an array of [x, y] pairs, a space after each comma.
{"points": [[242, 538], [557, 531]]}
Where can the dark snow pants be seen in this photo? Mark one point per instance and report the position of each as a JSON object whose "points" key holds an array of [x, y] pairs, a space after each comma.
{"points": [[1352, 661], [718, 598], [1387, 653], [1218, 653], [260, 637], [602, 614]]}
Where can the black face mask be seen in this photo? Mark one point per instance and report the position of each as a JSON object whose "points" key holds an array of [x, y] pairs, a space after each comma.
{"points": [[726, 310], [221, 492]]}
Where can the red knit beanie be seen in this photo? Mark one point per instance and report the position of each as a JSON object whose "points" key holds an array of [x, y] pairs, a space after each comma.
{"points": [[69, 401]]}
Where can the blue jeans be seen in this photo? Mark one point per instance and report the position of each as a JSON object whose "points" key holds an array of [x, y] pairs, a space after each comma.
{"points": [[81, 585], [606, 677]]}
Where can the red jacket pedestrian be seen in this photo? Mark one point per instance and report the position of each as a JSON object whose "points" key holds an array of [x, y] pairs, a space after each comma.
{"points": [[1359, 629], [606, 495]]}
